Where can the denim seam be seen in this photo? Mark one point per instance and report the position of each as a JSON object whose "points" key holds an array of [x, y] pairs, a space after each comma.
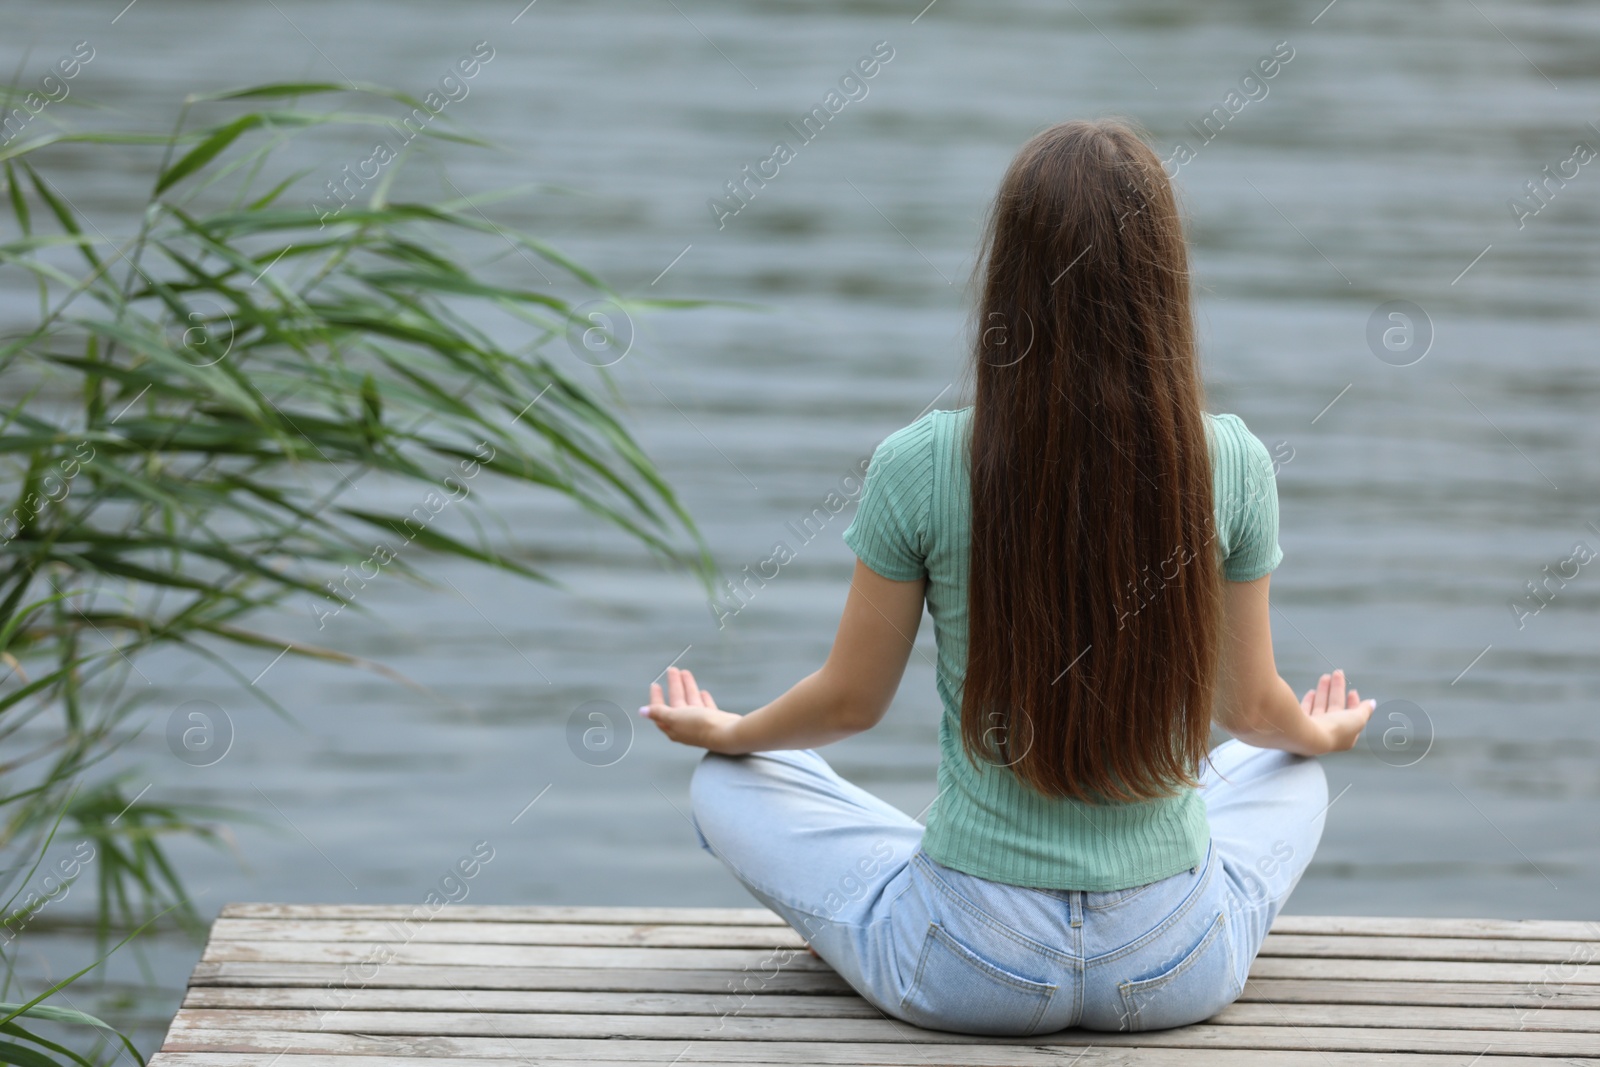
{"points": [[1016, 982], [990, 922], [1062, 895], [1049, 989], [1130, 992], [922, 962], [1218, 928], [888, 906], [781, 898], [1127, 896], [1178, 915], [752, 884], [785, 899], [1079, 986]]}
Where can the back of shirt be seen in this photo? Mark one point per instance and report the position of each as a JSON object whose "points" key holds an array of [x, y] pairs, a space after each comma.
{"points": [[915, 521]]}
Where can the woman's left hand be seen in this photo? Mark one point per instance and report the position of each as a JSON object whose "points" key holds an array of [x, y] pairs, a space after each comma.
{"points": [[689, 715]]}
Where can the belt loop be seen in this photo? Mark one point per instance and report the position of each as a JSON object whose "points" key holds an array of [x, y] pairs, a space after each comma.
{"points": [[1075, 907]]}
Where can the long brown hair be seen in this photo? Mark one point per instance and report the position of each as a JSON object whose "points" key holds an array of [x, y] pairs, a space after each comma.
{"points": [[1094, 607]]}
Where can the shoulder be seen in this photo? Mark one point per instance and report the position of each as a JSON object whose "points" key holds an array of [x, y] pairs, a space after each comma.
{"points": [[930, 425], [1245, 481], [1233, 444], [1244, 474], [910, 450], [1228, 429]]}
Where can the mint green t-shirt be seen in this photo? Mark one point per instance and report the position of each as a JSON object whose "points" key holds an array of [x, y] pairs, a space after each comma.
{"points": [[915, 521]]}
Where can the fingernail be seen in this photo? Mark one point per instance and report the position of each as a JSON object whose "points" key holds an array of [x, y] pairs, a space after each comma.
{"points": [[645, 710]]}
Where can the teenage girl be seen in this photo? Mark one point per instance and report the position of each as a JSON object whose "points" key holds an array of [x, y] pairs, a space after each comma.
{"points": [[1094, 549]]}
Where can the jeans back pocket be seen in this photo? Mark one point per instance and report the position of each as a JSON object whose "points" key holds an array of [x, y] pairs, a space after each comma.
{"points": [[1200, 984], [954, 988]]}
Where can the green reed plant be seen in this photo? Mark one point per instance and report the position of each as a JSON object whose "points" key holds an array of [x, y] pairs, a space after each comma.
{"points": [[196, 394]]}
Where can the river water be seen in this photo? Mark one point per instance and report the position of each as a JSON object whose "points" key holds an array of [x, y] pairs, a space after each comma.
{"points": [[1376, 165]]}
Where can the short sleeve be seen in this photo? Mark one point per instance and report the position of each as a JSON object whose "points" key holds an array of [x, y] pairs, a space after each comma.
{"points": [[1251, 503], [889, 531]]}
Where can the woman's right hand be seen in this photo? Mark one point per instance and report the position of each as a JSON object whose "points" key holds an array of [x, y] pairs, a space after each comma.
{"points": [[1338, 715]]}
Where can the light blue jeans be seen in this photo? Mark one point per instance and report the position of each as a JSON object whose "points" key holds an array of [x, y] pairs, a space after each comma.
{"points": [[949, 951]]}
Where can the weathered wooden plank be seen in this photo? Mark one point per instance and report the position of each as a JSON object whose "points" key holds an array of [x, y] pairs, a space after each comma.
{"points": [[1365, 990], [1405, 1016], [1522, 929], [1387, 926], [443, 931], [369, 954], [456, 999], [660, 1053], [462, 999], [1454, 994], [440, 931], [510, 913], [269, 1031], [600, 979], [331, 986], [1480, 950], [1539, 974], [760, 963]]}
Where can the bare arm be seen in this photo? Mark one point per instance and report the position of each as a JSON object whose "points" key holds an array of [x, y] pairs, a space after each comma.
{"points": [[1257, 706], [847, 695]]}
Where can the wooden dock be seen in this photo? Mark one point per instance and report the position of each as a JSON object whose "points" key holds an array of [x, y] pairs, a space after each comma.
{"points": [[358, 986]]}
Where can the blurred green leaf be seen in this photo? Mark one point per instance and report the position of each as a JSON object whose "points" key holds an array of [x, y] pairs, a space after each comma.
{"points": [[203, 384]]}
